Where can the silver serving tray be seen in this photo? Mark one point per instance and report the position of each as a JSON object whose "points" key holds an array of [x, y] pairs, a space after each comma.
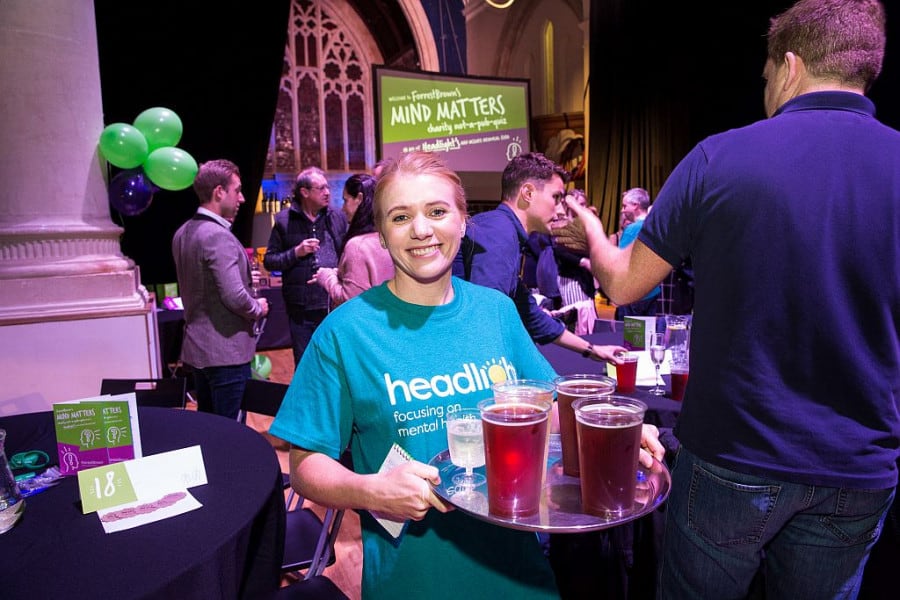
{"points": [[560, 510]]}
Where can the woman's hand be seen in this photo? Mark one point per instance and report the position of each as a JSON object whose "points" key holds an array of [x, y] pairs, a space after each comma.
{"points": [[610, 354], [650, 446], [405, 491], [322, 275]]}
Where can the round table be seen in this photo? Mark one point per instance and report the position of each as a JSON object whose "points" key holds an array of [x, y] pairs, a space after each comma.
{"points": [[230, 548]]}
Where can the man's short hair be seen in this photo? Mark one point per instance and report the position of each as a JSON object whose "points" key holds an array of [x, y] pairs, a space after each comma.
{"points": [[640, 196], [531, 166], [211, 174], [305, 179], [579, 196], [837, 39]]}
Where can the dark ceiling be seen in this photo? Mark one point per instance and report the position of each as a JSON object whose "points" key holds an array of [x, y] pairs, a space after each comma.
{"points": [[387, 24]]}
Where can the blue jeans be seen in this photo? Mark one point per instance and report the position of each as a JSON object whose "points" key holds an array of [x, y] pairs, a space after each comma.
{"points": [[221, 389], [303, 324], [722, 527]]}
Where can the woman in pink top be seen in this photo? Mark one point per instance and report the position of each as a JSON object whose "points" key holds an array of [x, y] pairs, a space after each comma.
{"points": [[364, 262]]}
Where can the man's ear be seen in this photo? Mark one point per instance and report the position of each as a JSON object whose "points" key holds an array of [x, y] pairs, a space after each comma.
{"points": [[794, 71], [526, 192]]}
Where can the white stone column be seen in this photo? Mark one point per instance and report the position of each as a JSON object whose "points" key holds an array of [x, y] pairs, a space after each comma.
{"points": [[59, 251], [60, 256]]}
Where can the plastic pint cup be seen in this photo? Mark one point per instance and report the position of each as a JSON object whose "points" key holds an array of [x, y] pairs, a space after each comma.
{"points": [[679, 378], [626, 373], [609, 440], [516, 432], [568, 389], [518, 389]]}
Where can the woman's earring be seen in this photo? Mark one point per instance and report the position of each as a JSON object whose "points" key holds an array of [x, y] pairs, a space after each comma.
{"points": [[383, 243]]}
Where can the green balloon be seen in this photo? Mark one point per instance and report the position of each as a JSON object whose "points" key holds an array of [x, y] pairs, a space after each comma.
{"points": [[123, 145], [261, 366], [171, 168], [161, 126]]}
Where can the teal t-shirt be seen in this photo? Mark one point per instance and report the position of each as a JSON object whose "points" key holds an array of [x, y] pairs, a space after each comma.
{"points": [[628, 236], [378, 371]]}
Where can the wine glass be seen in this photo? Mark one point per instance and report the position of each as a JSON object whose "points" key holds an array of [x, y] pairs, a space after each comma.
{"points": [[657, 355], [314, 265], [255, 275], [466, 446]]}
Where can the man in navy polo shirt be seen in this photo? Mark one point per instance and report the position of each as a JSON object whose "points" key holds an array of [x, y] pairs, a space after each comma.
{"points": [[790, 429]]}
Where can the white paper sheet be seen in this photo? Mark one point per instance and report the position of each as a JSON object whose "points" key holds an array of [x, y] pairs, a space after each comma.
{"points": [[646, 371]]}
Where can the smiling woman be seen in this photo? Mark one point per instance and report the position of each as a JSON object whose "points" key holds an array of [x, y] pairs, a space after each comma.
{"points": [[372, 399]]}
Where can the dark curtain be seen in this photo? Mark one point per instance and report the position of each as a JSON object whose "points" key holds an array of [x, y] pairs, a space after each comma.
{"points": [[637, 118], [218, 66], [665, 75], [662, 77]]}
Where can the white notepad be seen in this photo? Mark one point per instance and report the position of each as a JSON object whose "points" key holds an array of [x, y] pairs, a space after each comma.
{"points": [[396, 456]]}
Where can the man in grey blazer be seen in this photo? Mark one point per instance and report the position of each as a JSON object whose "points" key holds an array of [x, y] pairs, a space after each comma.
{"points": [[215, 283]]}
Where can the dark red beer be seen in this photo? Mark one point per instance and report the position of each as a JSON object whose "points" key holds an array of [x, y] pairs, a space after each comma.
{"points": [[609, 440], [679, 377], [515, 447], [626, 374], [568, 389]]}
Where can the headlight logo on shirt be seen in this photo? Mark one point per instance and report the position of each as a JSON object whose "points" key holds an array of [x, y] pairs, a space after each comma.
{"points": [[470, 378]]}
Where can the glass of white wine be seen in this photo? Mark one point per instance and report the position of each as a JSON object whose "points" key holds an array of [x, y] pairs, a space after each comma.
{"points": [[255, 274], [657, 355], [466, 443]]}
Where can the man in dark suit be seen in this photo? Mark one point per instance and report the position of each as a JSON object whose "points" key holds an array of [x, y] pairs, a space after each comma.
{"points": [[215, 284], [307, 235]]}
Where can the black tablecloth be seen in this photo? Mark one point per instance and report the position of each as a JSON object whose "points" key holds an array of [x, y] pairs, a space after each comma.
{"points": [[276, 335], [662, 411], [232, 547]]}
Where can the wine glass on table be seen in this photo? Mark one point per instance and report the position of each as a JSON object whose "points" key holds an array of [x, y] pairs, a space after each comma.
{"points": [[657, 355], [466, 443]]}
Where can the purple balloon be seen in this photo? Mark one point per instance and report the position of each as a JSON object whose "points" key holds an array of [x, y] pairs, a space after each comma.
{"points": [[130, 193]]}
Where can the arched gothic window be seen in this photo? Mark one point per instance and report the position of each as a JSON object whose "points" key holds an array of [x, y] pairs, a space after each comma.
{"points": [[324, 112]]}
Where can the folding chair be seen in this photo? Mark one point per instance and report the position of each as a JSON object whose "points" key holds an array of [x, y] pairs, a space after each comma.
{"points": [[166, 393], [264, 397], [309, 540]]}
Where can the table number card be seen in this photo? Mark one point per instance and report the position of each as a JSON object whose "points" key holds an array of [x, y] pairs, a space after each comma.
{"points": [[105, 487], [141, 480]]}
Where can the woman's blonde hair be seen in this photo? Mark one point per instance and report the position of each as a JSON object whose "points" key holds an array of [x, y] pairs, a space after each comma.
{"points": [[411, 165]]}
